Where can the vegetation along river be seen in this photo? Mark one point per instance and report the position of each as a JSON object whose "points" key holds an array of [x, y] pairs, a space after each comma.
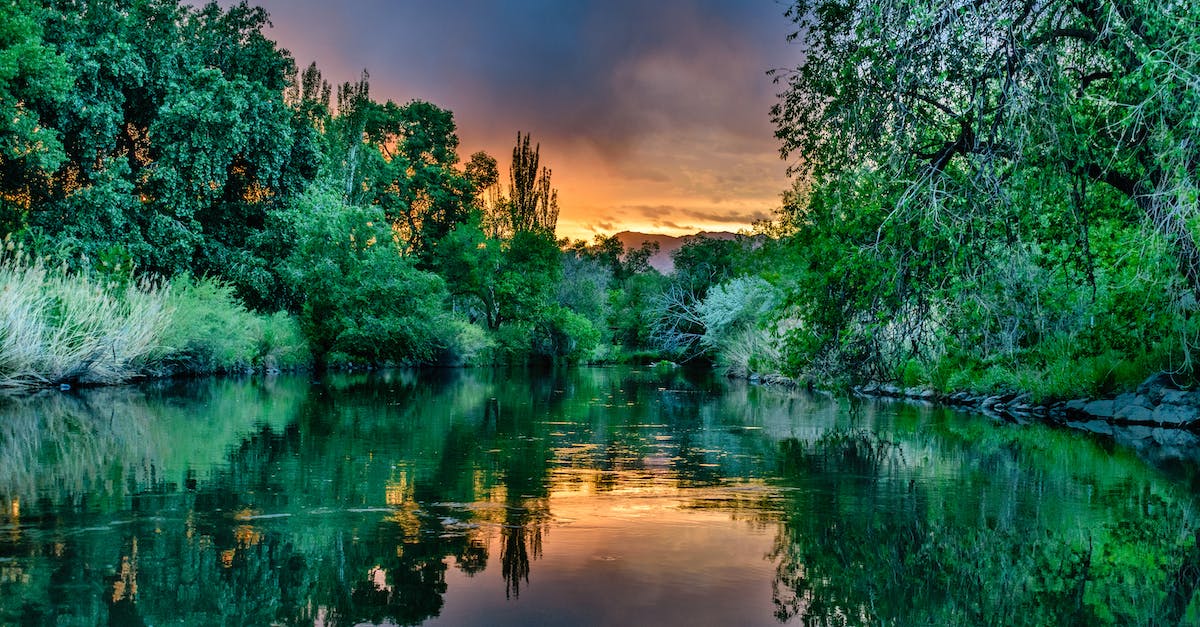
{"points": [[578, 496]]}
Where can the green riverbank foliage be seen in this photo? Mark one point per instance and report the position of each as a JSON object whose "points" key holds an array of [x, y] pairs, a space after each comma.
{"points": [[997, 198], [330, 228], [60, 326]]}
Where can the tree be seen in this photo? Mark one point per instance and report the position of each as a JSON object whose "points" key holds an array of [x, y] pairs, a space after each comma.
{"points": [[608, 250], [400, 158], [357, 294], [968, 170], [417, 185], [165, 139], [483, 172], [532, 204], [346, 135], [967, 100], [505, 280], [34, 78]]}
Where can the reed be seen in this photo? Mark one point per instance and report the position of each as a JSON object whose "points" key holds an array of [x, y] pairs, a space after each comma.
{"points": [[57, 326]]}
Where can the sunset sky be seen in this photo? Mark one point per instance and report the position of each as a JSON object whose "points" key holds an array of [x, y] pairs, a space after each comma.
{"points": [[653, 116]]}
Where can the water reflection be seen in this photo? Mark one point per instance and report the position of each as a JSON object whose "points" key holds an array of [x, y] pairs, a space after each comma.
{"points": [[515, 497]]}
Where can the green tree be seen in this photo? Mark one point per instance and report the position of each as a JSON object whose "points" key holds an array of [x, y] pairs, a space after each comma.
{"points": [[959, 100], [175, 138], [532, 204], [359, 296], [402, 159], [938, 142], [34, 78]]}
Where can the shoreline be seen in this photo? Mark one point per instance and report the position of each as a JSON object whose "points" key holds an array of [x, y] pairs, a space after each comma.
{"points": [[1156, 403], [1159, 420]]}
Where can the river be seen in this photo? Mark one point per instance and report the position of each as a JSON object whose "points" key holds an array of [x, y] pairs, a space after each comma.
{"points": [[607, 496]]}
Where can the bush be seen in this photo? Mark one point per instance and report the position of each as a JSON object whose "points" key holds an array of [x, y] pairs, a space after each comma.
{"points": [[467, 344], [360, 297], [58, 326], [564, 334], [282, 345], [210, 331], [513, 344], [738, 318]]}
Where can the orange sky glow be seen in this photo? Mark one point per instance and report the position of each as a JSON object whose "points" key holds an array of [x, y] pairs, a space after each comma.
{"points": [[653, 117]]}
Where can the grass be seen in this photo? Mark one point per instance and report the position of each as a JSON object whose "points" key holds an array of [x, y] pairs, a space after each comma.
{"points": [[58, 326], [1049, 372], [211, 331]]}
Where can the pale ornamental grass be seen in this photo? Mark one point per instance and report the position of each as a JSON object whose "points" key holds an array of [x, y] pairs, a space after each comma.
{"points": [[61, 327]]}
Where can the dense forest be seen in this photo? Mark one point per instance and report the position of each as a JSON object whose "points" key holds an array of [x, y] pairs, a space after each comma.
{"points": [[989, 196]]}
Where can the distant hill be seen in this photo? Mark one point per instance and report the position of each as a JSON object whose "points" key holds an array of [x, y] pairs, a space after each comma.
{"points": [[667, 244]]}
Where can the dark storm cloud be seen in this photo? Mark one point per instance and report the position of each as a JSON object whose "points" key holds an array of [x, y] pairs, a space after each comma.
{"points": [[670, 93]]}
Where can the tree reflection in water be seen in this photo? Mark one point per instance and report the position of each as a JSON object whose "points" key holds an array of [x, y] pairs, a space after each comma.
{"points": [[521, 542], [280, 502], [863, 552]]}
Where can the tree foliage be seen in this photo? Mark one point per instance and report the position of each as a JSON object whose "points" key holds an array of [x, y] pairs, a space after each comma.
{"points": [[532, 204], [360, 296], [936, 141]]}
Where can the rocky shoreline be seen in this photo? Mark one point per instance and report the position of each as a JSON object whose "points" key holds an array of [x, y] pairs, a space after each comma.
{"points": [[1159, 419], [1157, 403]]}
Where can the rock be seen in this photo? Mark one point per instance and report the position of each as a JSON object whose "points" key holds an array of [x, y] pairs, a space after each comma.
{"points": [[1133, 413], [1173, 397], [1124, 400], [991, 401], [1099, 409], [1153, 387], [870, 388], [1175, 415], [1094, 426], [890, 390], [1137, 432], [1076, 405], [1177, 438], [756, 378], [926, 394]]}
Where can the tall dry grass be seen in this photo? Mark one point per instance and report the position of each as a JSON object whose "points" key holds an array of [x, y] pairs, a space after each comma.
{"points": [[58, 326]]}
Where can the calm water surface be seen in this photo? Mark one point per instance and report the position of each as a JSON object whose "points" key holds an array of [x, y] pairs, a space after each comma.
{"points": [[581, 496]]}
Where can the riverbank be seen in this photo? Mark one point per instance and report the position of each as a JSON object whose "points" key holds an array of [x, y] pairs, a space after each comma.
{"points": [[1157, 402], [1159, 419]]}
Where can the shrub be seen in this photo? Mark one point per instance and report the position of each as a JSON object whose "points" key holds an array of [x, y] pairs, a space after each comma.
{"points": [[210, 331], [564, 334], [466, 344], [739, 325], [282, 345], [360, 296]]}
